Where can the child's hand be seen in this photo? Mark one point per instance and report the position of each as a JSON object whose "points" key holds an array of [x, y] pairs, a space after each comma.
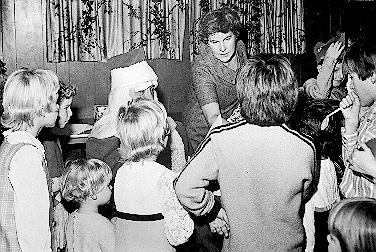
{"points": [[350, 109], [220, 224], [364, 161], [335, 50]]}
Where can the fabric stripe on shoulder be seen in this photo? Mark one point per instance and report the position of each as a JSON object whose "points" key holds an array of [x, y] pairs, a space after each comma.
{"points": [[213, 131], [306, 138]]}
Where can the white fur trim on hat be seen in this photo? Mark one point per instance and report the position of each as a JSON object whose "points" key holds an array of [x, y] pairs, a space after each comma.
{"points": [[135, 77]]}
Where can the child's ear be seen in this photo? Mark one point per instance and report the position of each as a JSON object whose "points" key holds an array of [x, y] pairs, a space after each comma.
{"points": [[93, 197]]}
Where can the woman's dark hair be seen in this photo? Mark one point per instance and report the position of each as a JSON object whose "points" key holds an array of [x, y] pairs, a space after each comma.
{"points": [[222, 20]]}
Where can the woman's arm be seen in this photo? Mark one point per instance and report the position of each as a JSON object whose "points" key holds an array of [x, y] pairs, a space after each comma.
{"points": [[211, 112]]}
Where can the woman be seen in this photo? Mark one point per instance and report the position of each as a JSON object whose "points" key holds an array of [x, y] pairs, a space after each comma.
{"points": [[213, 91]]}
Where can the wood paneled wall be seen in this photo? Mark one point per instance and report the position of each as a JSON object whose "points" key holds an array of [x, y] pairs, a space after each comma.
{"points": [[23, 44]]}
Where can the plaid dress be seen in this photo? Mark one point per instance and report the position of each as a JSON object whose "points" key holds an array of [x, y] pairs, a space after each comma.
{"points": [[8, 234]]}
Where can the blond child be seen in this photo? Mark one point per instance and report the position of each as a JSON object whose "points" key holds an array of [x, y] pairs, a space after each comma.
{"points": [[352, 226], [30, 103], [87, 182], [148, 215]]}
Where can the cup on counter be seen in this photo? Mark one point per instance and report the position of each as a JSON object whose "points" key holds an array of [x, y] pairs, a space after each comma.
{"points": [[99, 111]]}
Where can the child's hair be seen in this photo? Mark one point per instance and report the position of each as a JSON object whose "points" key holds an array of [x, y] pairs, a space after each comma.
{"points": [[360, 58], [66, 91], [353, 222], [267, 90], [307, 119], [84, 178], [27, 94], [142, 128]]}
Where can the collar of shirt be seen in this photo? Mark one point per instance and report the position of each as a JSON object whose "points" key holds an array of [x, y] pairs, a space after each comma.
{"points": [[16, 137]]}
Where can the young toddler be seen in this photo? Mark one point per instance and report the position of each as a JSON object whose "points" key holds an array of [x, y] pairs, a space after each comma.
{"points": [[87, 182], [352, 226], [149, 216], [30, 103]]}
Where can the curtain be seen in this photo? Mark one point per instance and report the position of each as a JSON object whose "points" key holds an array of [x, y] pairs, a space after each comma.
{"points": [[65, 39], [133, 24], [282, 27], [96, 30], [273, 26]]}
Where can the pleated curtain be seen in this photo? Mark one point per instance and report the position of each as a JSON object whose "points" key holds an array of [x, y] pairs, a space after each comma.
{"points": [[123, 25]]}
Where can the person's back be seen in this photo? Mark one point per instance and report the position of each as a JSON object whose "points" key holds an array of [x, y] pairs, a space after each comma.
{"points": [[134, 197], [148, 215], [261, 175], [88, 232], [87, 182]]}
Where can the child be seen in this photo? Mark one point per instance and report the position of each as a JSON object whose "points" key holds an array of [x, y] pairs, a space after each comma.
{"points": [[49, 140], [30, 103], [149, 217], [359, 109], [87, 183], [352, 226], [55, 162], [307, 120], [329, 66]]}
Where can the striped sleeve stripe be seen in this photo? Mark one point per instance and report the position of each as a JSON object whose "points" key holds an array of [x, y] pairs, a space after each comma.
{"points": [[215, 130]]}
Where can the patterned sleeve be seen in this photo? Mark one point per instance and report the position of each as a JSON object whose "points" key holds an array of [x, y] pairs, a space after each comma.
{"points": [[204, 85], [178, 224], [177, 152], [349, 143]]}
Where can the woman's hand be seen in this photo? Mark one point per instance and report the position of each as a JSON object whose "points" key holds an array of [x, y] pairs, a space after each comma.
{"points": [[350, 109], [211, 112]]}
